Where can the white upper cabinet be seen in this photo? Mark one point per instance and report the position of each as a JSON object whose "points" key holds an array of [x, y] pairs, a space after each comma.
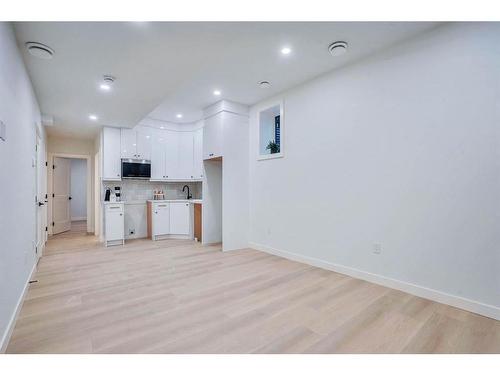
{"points": [[136, 143], [174, 155], [111, 163], [212, 137], [171, 155], [185, 156], [158, 148], [144, 142], [128, 143], [198, 154]]}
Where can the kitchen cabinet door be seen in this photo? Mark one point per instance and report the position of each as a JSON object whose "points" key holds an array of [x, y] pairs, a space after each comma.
{"points": [[180, 218], [185, 157], [111, 162], [158, 157], [144, 143], [114, 222], [171, 155], [161, 217], [198, 154], [128, 144], [212, 137]]}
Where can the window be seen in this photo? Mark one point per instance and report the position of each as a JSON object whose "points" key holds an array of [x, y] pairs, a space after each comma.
{"points": [[271, 132]]}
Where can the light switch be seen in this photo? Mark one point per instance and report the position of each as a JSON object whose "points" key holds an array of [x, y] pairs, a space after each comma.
{"points": [[3, 131]]}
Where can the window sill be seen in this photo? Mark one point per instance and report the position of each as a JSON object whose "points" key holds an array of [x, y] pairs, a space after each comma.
{"points": [[270, 156]]}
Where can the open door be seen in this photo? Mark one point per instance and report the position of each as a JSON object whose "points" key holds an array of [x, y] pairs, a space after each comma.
{"points": [[61, 186]]}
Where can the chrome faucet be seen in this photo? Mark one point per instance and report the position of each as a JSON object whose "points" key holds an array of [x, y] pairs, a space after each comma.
{"points": [[189, 196]]}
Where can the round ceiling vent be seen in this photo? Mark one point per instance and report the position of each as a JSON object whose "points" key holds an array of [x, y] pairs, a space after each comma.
{"points": [[264, 84], [108, 79], [337, 48], [40, 50]]}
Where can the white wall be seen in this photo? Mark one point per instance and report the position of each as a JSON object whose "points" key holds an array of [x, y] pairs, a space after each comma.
{"points": [[78, 189], [20, 112], [401, 149], [235, 181]]}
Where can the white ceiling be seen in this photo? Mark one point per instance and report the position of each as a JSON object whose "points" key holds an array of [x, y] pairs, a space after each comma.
{"points": [[173, 67]]}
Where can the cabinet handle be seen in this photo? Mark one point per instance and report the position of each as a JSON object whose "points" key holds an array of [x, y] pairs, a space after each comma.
{"points": [[121, 214], [210, 154], [156, 212]]}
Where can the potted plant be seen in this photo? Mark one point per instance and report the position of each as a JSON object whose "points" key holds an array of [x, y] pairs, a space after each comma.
{"points": [[273, 147]]}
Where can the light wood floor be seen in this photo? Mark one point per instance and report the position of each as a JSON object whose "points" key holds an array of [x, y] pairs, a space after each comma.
{"points": [[177, 296]]}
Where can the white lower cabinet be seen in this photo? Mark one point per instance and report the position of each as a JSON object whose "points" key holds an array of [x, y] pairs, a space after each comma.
{"points": [[180, 218], [114, 224], [167, 219], [160, 213]]}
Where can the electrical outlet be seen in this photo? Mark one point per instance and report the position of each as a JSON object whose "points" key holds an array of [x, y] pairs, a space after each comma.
{"points": [[377, 248]]}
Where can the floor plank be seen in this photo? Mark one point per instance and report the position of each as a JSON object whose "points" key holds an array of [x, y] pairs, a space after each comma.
{"points": [[176, 296]]}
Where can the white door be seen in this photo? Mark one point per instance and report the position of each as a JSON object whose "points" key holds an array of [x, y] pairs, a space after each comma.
{"points": [[61, 186], [198, 154], [144, 144], [158, 158], [185, 156], [161, 217], [179, 218], [128, 144], [111, 154], [171, 155]]}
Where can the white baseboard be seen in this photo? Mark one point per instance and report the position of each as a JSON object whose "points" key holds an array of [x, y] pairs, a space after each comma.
{"points": [[10, 327], [480, 308]]}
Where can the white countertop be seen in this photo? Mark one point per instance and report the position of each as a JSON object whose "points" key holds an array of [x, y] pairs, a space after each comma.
{"points": [[175, 200]]}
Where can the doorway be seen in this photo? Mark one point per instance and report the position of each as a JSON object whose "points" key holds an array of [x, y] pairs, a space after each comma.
{"points": [[70, 199]]}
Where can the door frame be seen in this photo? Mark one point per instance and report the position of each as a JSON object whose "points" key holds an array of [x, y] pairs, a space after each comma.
{"points": [[40, 195], [50, 189]]}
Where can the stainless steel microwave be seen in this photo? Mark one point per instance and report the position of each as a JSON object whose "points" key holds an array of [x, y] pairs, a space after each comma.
{"points": [[136, 169]]}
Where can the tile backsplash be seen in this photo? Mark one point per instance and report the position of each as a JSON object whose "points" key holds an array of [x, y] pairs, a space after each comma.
{"points": [[137, 190]]}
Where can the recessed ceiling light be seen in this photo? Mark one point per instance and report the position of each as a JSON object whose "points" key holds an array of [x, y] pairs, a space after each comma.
{"points": [[337, 48], [93, 117], [179, 115], [286, 50], [217, 92], [40, 50], [162, 127], [107, 82], [264, 84]]}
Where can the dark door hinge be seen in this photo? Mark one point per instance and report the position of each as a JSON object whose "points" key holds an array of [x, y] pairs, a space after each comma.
{"points": [[53, 223], [53, 166], [46, 164], [53, 195], [46, 229]]}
